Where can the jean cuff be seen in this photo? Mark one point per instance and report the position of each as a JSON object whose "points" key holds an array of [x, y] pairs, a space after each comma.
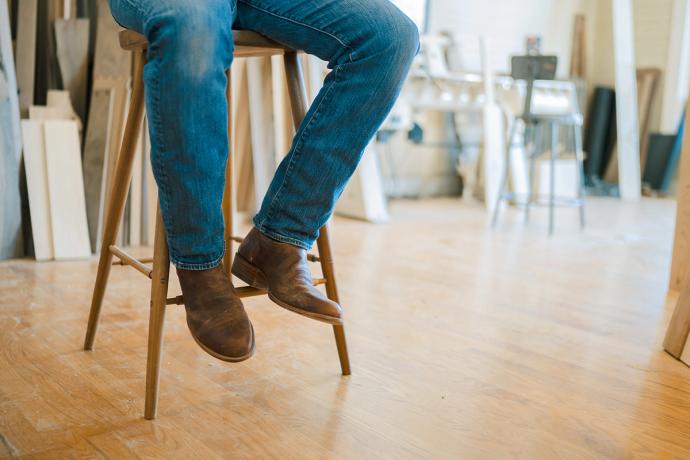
{"points": [[283, 239], [199, 266]]}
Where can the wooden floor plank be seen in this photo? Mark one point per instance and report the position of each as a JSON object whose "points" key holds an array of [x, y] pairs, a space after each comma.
{"points": [[465, 343]]}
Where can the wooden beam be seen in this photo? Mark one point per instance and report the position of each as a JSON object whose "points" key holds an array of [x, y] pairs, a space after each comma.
{"points": [[37, 185], [261, 122], [11, 238], [66, 190], [680, 262], [629, 179], [26, 53], [72, 43], [677, 82]]}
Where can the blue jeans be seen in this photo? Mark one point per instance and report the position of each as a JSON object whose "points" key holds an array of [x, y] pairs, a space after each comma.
{"points": [[369, 46]]}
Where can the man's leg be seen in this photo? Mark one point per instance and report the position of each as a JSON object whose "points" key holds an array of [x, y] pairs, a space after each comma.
{"points": [[190, 48], [369, 45]]}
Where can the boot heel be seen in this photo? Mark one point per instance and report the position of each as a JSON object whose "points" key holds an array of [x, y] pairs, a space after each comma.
{"points": [[248, 273]]}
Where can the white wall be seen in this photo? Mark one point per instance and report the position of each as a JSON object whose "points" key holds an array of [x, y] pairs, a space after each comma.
{"points": [[506, 23]]}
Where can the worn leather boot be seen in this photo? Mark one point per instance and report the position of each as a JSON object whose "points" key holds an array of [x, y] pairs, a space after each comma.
{"points": [[282, 270], [215, 315]]}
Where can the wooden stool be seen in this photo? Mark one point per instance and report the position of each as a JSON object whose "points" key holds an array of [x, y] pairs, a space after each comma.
{"points": [[247, 44]]}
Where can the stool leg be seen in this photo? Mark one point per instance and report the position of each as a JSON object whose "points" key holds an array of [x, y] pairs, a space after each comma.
{"points": [[229, 196], [580, 173], [118, 194], [552, 174], [327, 267], [159, 295], [298, 103]]}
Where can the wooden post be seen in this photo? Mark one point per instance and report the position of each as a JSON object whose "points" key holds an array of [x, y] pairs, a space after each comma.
{"points": [[679, 327], [629, 178]]}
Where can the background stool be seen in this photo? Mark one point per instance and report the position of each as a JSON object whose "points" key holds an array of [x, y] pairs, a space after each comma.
{"points": [[531, 68], [247, 44]]}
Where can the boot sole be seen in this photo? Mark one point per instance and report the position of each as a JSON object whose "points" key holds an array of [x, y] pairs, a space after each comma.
{"points": [[253, 276], [229, 359]]}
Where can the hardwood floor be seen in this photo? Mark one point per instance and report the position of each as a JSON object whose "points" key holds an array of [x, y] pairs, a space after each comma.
{"points": [[465, 343]]}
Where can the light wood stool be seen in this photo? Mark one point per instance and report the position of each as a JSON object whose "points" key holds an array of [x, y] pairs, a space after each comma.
{"points": [[247, 44]]}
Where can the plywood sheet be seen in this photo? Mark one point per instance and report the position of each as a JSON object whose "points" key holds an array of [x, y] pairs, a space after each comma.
{"points": [[261, 123], [26, 52], [72, 42], [95, 157], [37, 185], [680, 263], [66, 190], [110, 61]]}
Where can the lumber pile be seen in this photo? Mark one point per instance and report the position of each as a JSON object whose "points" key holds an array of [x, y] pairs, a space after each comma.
{"points": [[65, 85]]}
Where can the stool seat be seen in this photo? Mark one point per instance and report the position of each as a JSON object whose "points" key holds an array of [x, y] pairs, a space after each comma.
{"points": [[247, 43]]}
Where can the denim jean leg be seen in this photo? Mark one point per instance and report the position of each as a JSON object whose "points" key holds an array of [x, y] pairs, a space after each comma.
{"points": [[369, 45], [190, 48]]}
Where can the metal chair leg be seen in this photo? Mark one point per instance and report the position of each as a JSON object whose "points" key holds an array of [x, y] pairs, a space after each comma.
{"points": [[579, 160], [535, 134], [504, 178], [298, 103], [552, 175], [118, 195], [159, 295]]}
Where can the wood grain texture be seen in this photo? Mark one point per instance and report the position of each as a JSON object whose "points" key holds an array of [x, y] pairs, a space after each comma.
{"points": [[112, 71], [681, 242], [676, 338], [261, 123], [241, 140], [66, 190], [474, 345], [95, 161], [647, 79], [47, 73], [27, 11], [110, 61], [72, 43]]}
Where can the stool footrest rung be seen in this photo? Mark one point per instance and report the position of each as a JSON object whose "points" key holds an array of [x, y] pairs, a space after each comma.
{"points": [[143, 260], [242, 292], [126, 259], [310, 257]]}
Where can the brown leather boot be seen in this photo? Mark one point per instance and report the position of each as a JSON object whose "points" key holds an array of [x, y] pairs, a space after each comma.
{"points": [[282, 269], [215, 315]]}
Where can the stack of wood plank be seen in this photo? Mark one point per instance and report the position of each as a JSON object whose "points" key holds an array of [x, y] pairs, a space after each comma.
{"points": [[52, 158], [68, 106], [72, 82]]}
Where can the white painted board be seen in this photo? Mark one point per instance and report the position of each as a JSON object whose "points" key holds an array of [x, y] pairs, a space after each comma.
{"points": [[626, 101], [66, 190], [565, 178], [364, 196], [37, 185]]}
